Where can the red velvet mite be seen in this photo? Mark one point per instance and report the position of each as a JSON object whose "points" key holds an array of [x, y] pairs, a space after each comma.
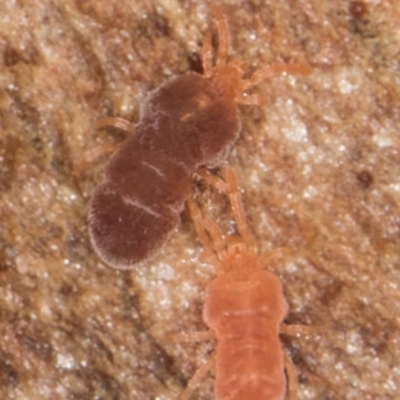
{"points": [[244, 308], [190, 121]]}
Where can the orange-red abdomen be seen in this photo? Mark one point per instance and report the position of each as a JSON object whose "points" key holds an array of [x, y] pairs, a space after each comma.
{"points": [[246, 315]]}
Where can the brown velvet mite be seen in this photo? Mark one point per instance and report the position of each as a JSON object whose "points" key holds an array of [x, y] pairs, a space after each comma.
{"points": [[188, 122]]}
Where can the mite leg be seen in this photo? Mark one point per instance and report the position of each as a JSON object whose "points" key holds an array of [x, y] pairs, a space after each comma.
{"points": [[294, 330], [109, 122], [208, 232], [201, 336], [298, 330], [223, 35], [198, 221], [206, 54], [291, 377], [273, 254], [269, 70], [231, 189], [90, 156], [115, 122], [250, 99], [238, 209], [213, 180], [196, 378]]}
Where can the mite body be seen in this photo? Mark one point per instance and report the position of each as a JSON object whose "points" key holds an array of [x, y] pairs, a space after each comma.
{"points": [[245, 308], [188, 122], [185, 124]]}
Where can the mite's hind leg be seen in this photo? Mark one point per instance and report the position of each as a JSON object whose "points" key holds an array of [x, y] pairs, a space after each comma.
{"points": [[197, 377], [292, 379], [90, 156], [104, 149], [294, 330], [298, 330]]}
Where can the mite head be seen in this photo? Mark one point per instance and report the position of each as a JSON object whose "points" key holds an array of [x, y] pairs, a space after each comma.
{"points": [[227, 81], [239, 257], [227, 77]]}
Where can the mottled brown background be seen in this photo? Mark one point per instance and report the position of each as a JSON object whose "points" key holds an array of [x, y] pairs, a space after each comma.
{"points": [[319, 166]]}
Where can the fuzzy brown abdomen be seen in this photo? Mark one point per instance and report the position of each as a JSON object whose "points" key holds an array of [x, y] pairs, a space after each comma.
{"points": [[138, 205], [184, 125]]}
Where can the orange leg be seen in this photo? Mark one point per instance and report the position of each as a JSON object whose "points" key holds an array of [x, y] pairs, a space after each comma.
{"points": [[213, 180], [91, 155], [223, 34], [231, 189], [206, 54], [196, 378], [273, 254], [115, 122], [249, 99], [238, 209], [292, 378], [270, 70], [298, 330], [294, 330], [209, 234]]}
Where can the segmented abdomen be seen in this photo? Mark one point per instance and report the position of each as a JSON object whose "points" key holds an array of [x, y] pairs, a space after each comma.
{"points": [[246, 316]]}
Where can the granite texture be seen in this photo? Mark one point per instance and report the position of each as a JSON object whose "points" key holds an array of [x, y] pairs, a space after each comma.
{"points": [[318, 163]]}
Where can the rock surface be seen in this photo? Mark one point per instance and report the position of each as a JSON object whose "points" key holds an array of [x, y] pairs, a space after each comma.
{"points": [[318, 165]]}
